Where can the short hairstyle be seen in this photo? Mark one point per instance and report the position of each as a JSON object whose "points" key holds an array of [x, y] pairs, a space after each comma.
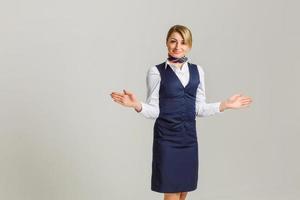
{"points": [[185, 33]]}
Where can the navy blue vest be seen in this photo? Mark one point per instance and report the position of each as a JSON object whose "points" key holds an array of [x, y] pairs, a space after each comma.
{"points": [[176, 122]]}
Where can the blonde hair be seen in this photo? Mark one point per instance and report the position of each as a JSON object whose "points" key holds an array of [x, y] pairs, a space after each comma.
{"points": [[185, 33]]}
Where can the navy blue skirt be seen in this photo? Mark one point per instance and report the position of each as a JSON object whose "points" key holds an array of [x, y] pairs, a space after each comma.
{"points": [[175, 158]]}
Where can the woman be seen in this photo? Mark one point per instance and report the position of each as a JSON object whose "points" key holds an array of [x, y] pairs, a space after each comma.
{"points": [[176, 95]]}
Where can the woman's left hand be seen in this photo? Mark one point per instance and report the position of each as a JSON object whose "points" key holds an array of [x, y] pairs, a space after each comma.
{"points": [[236, 101]]}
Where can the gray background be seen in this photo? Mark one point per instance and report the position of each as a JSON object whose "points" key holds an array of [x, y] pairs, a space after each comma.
{"points": [[63, 138]]}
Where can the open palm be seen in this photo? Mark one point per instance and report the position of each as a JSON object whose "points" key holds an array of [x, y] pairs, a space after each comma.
{"points": [[126, 98], [238, 101]]}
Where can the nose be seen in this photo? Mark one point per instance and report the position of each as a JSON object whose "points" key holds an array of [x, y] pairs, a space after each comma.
{"points": [[177, 45]]}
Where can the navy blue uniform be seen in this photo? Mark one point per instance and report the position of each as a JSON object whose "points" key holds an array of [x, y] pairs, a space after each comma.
{"points": [[175, 145]]}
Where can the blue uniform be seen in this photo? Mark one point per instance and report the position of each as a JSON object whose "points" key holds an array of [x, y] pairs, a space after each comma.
{"points": [[175, 145]]}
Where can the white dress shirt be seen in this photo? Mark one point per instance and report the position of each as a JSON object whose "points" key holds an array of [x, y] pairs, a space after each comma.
{"points": [[150, 108]]}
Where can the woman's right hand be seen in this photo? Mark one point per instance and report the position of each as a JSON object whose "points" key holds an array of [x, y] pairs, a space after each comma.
{"points": [[127, 99]]}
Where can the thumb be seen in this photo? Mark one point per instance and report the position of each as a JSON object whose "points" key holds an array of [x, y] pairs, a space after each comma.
{"points": [[127, 92], [235, 96]]}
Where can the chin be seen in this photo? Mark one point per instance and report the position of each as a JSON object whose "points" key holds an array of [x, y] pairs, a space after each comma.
{"points": [[177, 55]]}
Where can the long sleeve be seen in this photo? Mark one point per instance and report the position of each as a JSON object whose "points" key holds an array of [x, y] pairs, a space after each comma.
{"points": [[204, 109], [150, 108]]}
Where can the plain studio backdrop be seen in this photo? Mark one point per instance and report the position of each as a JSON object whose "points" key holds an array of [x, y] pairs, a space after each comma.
{"points": [[63, 138]]}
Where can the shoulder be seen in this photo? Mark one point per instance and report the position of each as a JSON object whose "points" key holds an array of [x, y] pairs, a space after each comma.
{"points": [[199, 67], [154, 70], [160, 66]]}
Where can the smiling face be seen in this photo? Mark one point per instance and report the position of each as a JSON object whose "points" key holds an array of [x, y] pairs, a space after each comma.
{"points": [[176, 45]]}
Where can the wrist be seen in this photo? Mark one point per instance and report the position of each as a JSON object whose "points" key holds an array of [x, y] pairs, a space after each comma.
{"points": [[137, 107], [223, 106]]}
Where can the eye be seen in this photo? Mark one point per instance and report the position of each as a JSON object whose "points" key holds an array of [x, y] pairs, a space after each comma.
{"points": [[172, 41]]}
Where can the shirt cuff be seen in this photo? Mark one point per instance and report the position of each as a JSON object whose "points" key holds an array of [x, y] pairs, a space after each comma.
{"points": [[142, 112], [217, 107]]}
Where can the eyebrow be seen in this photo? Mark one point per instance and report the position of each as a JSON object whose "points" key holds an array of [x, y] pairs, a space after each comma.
{"points": [[175, 39]]}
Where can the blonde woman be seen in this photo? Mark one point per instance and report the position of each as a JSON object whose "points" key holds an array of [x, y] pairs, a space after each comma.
{"points": [[175, 97]]}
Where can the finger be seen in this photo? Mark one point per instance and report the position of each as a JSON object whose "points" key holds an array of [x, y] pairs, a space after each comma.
{"points": [[119, 102], [116, 93], [118, 98], [245, 100], [245, 104], [246, 97], [127, 92]]}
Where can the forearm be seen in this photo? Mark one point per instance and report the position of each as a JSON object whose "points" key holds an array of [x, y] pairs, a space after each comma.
{"points": [[150, 111], [204, 109]]}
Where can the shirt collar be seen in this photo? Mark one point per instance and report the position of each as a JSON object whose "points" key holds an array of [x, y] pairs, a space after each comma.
{"points": [[171, 65]]}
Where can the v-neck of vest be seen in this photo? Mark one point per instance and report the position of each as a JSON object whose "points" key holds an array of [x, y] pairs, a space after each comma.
{"points": [[178, 77]]}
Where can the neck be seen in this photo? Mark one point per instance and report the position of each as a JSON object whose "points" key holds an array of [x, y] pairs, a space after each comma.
{"points": [[176, 60], [178, 65]]}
